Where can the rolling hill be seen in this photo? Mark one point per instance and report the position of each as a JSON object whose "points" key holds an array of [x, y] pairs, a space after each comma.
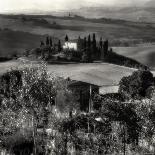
{"points": [[20, 32], [16, 42], [143, 54], [101, 74], [144, 13], [151, 4]]}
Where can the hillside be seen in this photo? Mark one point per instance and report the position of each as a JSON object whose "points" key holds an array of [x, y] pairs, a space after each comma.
{"points": [[151, 3], [75, 26], [13, 42], [143, 54], [26, 31], [101, 73], [138, 14]]}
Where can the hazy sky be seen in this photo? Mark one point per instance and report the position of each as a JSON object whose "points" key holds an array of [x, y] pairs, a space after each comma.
{"points": [[54, 5]]}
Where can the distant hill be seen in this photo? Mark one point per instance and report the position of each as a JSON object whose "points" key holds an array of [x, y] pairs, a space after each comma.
{"points": [[151, 3], [143, 54], [145, 14], [113, 29], [16, 42], [24, 32]]}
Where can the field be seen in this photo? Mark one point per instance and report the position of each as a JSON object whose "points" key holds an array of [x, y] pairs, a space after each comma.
{"points": [[101, 74], [144, 54], [104, 75], [15, 42]]}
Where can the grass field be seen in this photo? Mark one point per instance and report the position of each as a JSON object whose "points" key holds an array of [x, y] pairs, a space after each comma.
{"points": [[104, 75], [144, 54], [13, 42], [74, 27], [101, 74]]}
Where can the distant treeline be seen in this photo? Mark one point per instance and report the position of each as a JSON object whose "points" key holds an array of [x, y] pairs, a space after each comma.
{"points": [[88, 50], [3, 59], [124, 61]]}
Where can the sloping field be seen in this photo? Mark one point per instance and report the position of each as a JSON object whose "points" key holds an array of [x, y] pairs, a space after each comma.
{"points": [[143, 54], [13, 42], [26, 32], [60, 26], [100, 74]]}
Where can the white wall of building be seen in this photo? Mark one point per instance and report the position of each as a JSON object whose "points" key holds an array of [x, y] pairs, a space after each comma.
{"points": [[70, 45]]}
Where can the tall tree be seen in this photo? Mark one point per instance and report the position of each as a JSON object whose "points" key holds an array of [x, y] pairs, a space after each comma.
{"points": [[101, 43], [106, 46], [85, 43], [47, 41], [94, 41], [138, 85], [41, 43], [51, 43], [79, 44], [93, 48], [59, 46], [89, 49], [89, 41], [66, 38]]}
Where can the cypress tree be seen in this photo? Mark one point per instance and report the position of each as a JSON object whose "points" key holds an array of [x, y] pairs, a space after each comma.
{"points": [[106, 46], [59, 45], [93, 48], [47, 41], [51, 43], [66, 38], [89, 41], [41, 43], [89, 49], [94, 41], [85, 43], [101, 42], [79, 43]]}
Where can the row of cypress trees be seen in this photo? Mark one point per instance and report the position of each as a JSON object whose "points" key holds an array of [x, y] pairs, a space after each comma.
{"points": [[87, 45]]}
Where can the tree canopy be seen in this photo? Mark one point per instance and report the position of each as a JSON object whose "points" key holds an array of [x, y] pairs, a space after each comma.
{"points": [[137, 86]]}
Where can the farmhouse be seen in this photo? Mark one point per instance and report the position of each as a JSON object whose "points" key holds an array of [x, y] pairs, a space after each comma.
{"points": [[88, 79], [70, 46]]}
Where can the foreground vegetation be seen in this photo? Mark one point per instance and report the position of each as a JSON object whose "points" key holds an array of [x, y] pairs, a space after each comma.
{"points": [[32, 121]]}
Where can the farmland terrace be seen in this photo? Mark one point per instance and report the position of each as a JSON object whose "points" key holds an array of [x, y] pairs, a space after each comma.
{"points": [[103, 75]]}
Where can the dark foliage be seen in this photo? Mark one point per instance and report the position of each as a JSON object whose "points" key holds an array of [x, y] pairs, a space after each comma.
{"points": [[18, 143], [59, 46], [82, 122], [10, 83], [97, 100], [137, 85], [47, 41], [51, 43], [3, 59], [66, 38], [117, 59], [125, 114]]}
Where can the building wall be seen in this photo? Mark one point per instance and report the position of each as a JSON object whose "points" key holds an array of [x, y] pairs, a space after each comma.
{"points": [[108, 89], [70, 45]]}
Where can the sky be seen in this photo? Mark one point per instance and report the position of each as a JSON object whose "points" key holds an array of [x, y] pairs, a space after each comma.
{"points": [[12, 6]]}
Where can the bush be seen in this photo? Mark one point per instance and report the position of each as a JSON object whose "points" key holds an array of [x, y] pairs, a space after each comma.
{"points": [[137, 86], [19, 143]]}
